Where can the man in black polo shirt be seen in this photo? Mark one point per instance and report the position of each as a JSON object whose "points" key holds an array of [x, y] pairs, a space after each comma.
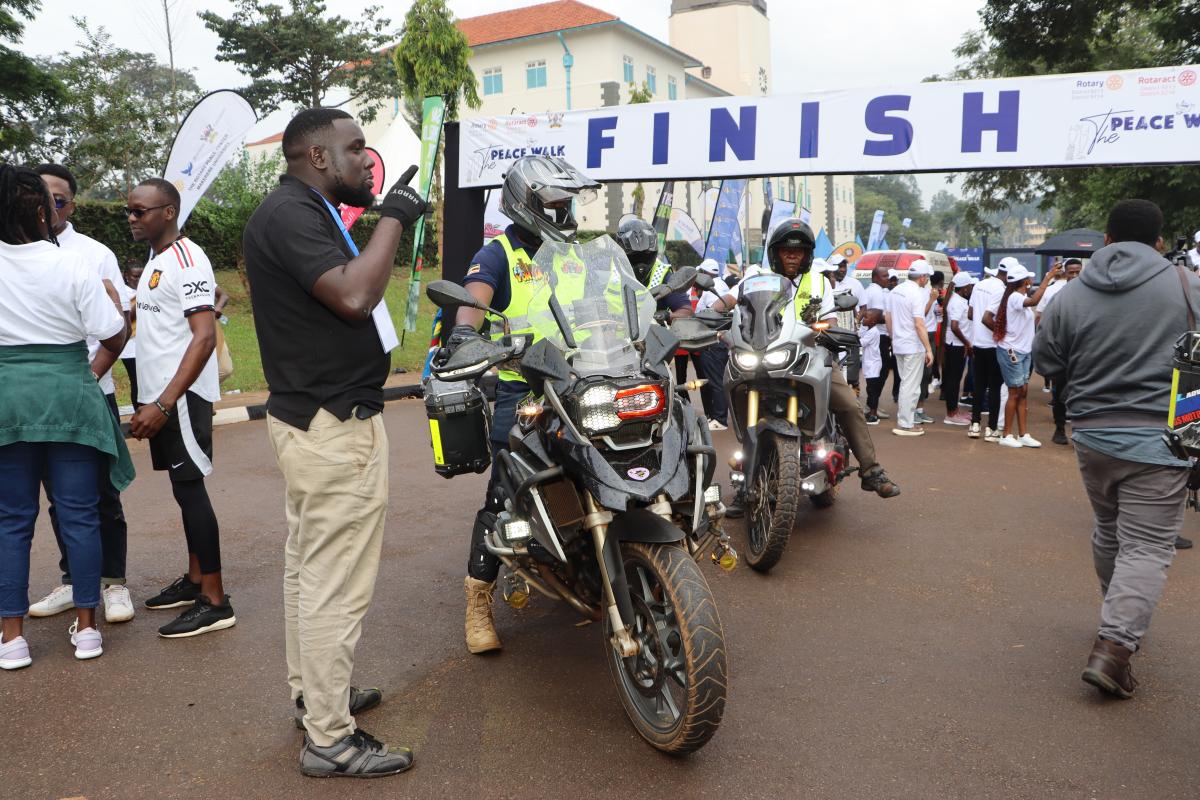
{"points": [[324, 337]]}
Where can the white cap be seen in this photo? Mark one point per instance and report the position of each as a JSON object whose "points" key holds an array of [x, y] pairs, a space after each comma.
{"points": [[821, 265], [1008, 264], [893, 274], [1196, 237], [962, 278], [837, 259], [919, 267], [1018, 273], [992, 271], [710, 266]]}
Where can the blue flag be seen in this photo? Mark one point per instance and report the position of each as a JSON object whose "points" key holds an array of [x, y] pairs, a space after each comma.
{"points": [[725, 221], [824, 245]]}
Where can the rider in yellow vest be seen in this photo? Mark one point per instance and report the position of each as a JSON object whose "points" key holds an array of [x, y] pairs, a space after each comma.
{"points": [[537, 196], [790, 254]]}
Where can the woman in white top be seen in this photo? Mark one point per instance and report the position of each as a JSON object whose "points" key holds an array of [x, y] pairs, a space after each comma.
{"points": [[1012, 330], [53, 416]]}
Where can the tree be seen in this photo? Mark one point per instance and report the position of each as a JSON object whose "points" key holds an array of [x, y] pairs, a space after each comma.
{"points": [[899, 197], [235, 194], [112, 127], [27, 89], [1033, 37], [432, 60], [300, 56]]}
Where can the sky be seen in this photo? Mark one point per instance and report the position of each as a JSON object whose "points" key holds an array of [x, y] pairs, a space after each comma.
{"points": [[814, 45]]}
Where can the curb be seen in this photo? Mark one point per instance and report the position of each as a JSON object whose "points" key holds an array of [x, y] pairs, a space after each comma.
{"points": [[236, 414]]}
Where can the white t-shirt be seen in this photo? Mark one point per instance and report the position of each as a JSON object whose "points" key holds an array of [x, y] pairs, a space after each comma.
{"points": [[851, 284], [101, 259], [905, 306], [956, 311], [986, 295], [875, 297], [177, 283], [1051, 290], [710, 296], [933, 315], [48, 295], [1194, 255], [1018, 328]]}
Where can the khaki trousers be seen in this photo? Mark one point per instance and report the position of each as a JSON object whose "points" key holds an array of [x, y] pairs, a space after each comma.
{"points": [[844, 404], [336, 501]]}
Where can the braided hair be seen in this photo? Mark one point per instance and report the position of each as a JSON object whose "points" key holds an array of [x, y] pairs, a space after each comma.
{"points": [[1000, 321], [22, 194]]}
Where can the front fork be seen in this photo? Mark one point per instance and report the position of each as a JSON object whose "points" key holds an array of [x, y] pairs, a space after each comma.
{"points": [[612, 570], [750, 453]]}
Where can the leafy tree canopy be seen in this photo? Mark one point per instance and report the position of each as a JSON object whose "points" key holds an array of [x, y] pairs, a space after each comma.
{"points": [[300, 55], [433, 60], [27, 88]]}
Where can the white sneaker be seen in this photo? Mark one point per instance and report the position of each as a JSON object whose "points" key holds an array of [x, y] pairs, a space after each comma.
{"points": [[88, 643], [14, 654], [118, 606], [1029, 441], [59, 600], [973, 431], [713, 425], [990, 435], [1010, 441], [935, 384]]}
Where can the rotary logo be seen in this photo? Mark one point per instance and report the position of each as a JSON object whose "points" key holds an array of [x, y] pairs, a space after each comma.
{"points": [[532, 121], [1187, 77], [1114, 82]]}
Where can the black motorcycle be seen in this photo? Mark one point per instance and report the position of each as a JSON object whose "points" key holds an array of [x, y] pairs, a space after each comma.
{"points": [[607, 483]]}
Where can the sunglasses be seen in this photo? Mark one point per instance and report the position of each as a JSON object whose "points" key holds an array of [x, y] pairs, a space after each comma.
{"points": [[138, 213]]}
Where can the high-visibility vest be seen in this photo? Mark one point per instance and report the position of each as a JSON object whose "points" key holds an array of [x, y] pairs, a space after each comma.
{"points": [[810, 285], [659, 274], [524, 280]]}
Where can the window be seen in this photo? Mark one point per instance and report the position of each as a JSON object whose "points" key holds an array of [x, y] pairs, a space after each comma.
{"points": [[652, 80], [535, 74], [493, 81], [672, 89], [628, 63]]}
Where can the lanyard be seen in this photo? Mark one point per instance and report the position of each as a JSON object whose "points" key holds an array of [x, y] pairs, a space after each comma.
{"points": [[338, 219]]}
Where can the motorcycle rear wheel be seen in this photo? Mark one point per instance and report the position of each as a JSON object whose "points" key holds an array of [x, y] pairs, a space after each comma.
{"points": [[674, 689], [777, 501]]}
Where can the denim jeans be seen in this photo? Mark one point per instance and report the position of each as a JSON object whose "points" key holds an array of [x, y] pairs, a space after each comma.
{"points": [[113, 529], [74, 475]]}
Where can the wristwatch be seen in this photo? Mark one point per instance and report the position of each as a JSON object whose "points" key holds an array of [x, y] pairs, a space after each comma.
{"points": [[166, 413]]}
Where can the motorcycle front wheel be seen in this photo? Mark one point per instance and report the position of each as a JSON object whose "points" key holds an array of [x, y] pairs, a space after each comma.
{"points": [[674, 689], [776, 502]]}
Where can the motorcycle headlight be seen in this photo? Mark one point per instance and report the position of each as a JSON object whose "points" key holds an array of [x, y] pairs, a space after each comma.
{"points": [[778, 357], [746, 361], [597, 408]]}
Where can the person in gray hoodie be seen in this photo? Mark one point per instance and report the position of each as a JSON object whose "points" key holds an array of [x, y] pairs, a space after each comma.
{"points": [[1109, 338]]}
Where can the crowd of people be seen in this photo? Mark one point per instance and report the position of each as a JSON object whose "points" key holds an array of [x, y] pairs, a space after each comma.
{"points": [[65, 319]]}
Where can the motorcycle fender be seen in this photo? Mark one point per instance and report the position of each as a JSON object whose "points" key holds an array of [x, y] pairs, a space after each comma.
{"points": [[780, 427], [644, 526]]}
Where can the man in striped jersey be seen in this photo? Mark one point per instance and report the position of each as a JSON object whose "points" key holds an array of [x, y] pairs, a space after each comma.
{"points": [[178, 384]]}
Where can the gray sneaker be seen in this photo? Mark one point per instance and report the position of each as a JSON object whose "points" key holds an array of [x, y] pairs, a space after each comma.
{"points": [[359, 755]]}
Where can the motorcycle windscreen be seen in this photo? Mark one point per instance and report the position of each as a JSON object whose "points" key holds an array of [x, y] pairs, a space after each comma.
{"points": [[590, 291], [762, 299]]}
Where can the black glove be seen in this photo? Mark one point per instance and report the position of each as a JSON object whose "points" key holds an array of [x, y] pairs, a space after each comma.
{"points": [[458, 335], [402, 202]]}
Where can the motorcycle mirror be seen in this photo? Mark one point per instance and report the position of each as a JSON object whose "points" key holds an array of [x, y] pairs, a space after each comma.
{"points": [[447, 294], [705, 281], [845, 302], [681, 279]]}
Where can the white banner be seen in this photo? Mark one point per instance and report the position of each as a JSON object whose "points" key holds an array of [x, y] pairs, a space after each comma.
{"points": [[1148, 116], [211, 134]]}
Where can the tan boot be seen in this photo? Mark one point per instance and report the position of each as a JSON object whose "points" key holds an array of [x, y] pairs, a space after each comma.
{"points": [[481, 631]]}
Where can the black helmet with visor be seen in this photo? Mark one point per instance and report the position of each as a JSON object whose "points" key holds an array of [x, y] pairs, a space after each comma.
{"points": [[790, 233], [640, 242]]}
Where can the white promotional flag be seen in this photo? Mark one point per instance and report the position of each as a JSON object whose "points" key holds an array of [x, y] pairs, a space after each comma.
{"points": [[211, 135]]}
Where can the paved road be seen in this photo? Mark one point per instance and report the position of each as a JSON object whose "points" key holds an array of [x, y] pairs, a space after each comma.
{"points": [[927, 646]]}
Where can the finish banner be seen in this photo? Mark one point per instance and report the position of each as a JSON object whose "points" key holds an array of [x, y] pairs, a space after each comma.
{"points": [[1144, 116], [209, 137]]}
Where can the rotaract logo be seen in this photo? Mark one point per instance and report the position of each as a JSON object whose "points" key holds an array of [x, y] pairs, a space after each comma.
{"points": [[1187, 77], [1114, 82]]}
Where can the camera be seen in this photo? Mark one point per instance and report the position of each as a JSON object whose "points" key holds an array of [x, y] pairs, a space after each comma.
{"points": [[1179, 255]]}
